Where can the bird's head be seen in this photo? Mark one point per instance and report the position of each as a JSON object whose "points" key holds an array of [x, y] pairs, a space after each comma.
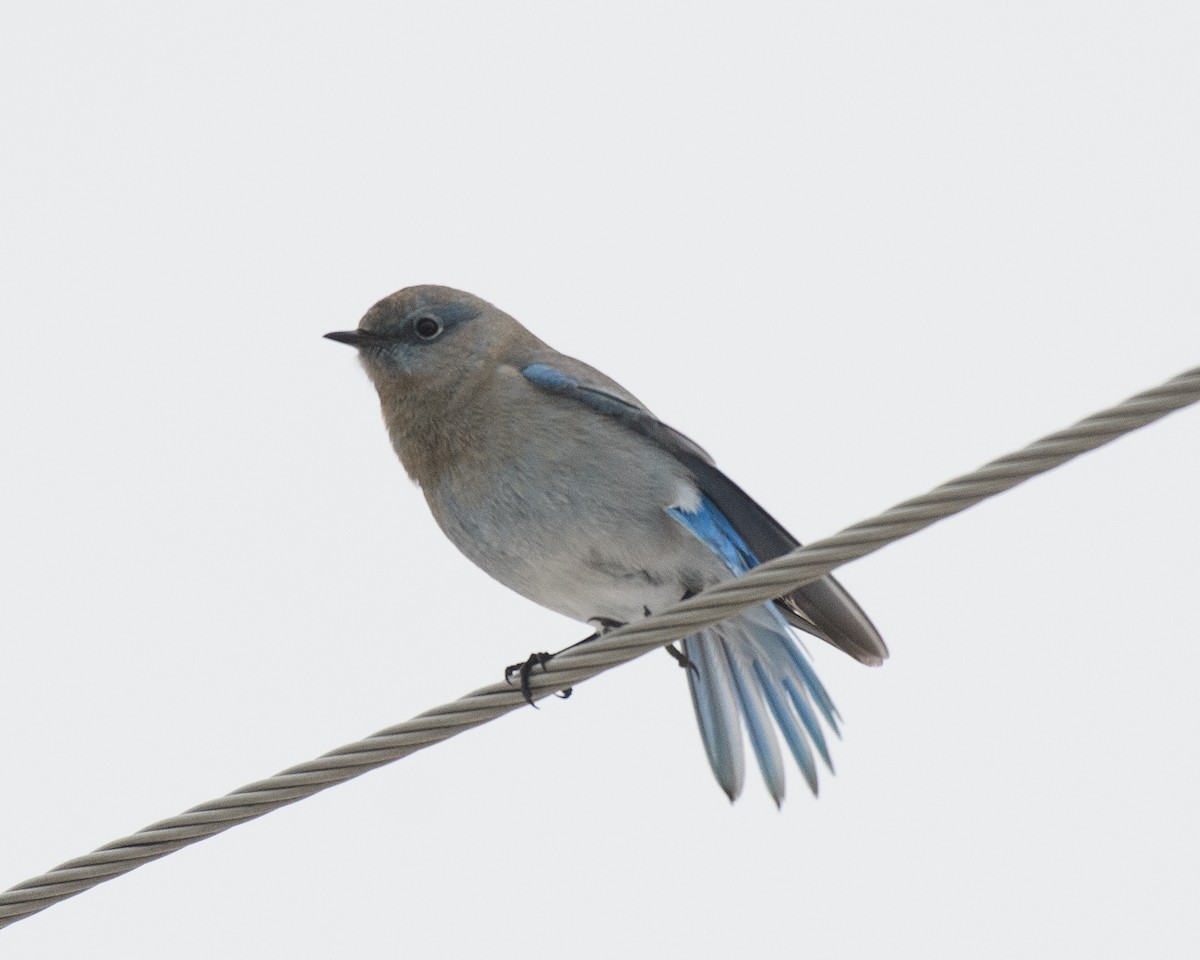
{"points": [[428, 336]]}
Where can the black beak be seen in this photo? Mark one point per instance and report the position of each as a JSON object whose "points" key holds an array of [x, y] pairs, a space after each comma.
{"points": [[356, 338]]}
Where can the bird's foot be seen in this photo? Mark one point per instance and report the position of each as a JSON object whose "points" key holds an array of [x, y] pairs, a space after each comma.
{"points": [[678, 655], [525, 670], [681, 658]]}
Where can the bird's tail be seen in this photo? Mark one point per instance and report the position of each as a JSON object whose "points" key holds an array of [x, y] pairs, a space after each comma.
{"points": [[752, 667]]}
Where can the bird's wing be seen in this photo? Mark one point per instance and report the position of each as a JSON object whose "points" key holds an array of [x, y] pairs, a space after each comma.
{"points": [[822, 608]]}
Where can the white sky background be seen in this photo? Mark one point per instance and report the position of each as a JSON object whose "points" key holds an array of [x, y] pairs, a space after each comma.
{"points": [[851, 249]]}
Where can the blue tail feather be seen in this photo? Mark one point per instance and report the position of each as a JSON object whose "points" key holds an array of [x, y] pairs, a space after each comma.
{"points": [[762, 738], [791, 666], [816, 689], [744, 667], [811, 725], [787, 725], [716, 711], [750, 668]]}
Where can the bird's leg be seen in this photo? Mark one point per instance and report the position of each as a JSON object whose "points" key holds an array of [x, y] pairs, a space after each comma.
{"points": [[524, 670], [678, 655]]}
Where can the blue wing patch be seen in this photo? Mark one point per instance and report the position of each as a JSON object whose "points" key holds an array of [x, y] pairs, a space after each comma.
{"points": [[555, 381], [548, 377], [709, 525]]}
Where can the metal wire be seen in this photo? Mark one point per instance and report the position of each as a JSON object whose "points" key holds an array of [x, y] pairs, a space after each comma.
{"points": [[772, 579]]}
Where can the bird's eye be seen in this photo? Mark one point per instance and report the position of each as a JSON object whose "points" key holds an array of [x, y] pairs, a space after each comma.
{"points": [[427, 328]]}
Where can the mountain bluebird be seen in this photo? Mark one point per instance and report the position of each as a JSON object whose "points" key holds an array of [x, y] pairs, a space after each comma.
{"points": [[560, 484]]}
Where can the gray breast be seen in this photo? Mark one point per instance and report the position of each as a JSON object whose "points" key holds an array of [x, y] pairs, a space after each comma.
{"points": [[575, 520]]}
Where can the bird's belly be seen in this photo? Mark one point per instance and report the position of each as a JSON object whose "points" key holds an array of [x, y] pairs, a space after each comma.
{"points": [[598, 558], [598, 594]]}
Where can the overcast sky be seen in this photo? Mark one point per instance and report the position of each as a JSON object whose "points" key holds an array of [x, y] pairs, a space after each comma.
{"points": [[851, 249]]}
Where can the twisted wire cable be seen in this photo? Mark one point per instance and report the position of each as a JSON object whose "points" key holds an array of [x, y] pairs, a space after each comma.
{"points": [[772, 579]]}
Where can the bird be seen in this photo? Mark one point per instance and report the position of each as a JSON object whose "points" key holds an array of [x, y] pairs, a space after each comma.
{"points": [[560, 484]]}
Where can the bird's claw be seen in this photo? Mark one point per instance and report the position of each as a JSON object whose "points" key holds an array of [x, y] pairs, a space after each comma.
{"points": [[525, 670]]}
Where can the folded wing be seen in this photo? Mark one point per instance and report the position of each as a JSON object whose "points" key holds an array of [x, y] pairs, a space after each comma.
{"points": [[822, 608]]}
